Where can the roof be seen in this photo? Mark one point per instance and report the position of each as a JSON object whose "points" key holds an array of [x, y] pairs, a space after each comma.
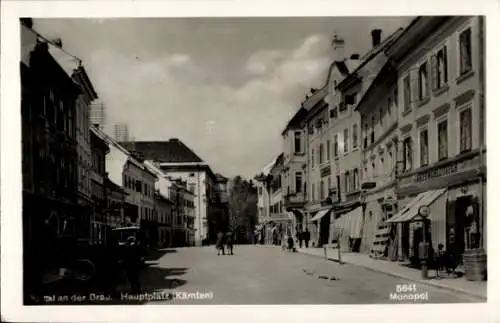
{"points": [[110, 141], [163, 198], [115, 186], [67, 62], [174, 151], [417, 30], [220, 178], [370, 55]]}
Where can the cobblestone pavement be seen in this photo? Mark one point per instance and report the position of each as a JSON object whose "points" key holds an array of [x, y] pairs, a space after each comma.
{"points": [[268, 275]]}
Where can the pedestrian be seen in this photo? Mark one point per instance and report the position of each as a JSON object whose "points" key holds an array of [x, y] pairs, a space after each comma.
{"points": [[133, 264], [229, 242], [290, 243], [300, 238], [307, 237], [220, 243]]}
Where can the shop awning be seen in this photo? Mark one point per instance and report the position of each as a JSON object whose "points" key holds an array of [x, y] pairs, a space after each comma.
{"points": [[410, 211], [350, 223], [320, 214]]}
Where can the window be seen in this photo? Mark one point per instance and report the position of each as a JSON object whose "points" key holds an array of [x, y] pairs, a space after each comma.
{"points": [[465, 52], [334, 113], [346, 141], [424, 148], [422, 81], [313, 197], [407, 93], [338, 187], [347, 187], [322, 191], [355, 136], [356, 179], [192, 188], [372, 134], [408, 154], [329, 187], [336, 146], [321, 154], [440, 69], [138, 186], [465, 130], [298, 182], [312, 158], [396, 96], [298, 148], [443, 140], [328, 149]]}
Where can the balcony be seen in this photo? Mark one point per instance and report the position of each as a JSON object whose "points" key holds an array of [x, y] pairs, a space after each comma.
{"points": [[294, 200]]}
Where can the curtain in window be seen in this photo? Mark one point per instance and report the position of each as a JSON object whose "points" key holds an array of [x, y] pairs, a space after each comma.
{"points": [[443, 140], [424, 148], [465, 130], [465, 52]]}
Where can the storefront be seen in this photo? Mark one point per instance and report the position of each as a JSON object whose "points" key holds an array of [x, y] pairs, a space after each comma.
{"points": [[455, 220], [347, 228], [320, 234]]}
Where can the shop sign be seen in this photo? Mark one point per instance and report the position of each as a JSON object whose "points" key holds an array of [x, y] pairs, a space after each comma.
{"points": [[442, 170]]}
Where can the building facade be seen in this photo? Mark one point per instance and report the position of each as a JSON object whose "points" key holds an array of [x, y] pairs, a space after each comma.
{"points": [[177, 160], [295, 169], [126, 169], [115, 208], [99, 219], [441, 126], [49, 155], [74, 69], [164, 212]]}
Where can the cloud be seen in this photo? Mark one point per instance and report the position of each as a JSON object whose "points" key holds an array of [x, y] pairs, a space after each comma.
{"points": [[179, 59], [227, 125]]}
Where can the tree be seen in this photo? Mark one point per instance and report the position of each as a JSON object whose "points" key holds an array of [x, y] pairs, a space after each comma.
{"points": [[243, 207]]}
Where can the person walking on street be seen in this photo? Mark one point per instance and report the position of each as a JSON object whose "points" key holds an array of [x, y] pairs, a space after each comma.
{"points": [[307, 237], [133, 264], [300, 238]]}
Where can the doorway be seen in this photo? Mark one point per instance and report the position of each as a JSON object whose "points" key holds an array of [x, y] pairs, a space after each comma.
{"points": [[324, 230]]}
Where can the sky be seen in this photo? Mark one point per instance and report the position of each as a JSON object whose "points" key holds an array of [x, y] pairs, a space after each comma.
{"points": [[226, 87]]}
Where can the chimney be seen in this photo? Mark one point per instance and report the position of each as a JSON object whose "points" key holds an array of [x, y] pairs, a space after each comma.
{"points": [[376, 35], [28, 22], [338, 48]]}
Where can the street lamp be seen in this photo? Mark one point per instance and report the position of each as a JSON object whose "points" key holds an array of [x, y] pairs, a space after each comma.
{"points": [[423, 211]]}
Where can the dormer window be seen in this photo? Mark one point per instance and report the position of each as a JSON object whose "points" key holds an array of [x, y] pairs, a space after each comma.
{"points": [[298, 142]]}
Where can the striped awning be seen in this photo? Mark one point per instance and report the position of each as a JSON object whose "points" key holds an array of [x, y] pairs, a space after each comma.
{"points": [[350, 223], [410, 211], [320, 214]]}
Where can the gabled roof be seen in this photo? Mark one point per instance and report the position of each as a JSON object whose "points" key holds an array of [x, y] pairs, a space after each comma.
{"points": [[172, 151], [110, 184], [73, 67], [370, 55], [111, 142], [163, 198]]}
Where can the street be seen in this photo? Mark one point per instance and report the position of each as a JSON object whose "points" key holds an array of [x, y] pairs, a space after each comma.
{"points": [[268, 275]]}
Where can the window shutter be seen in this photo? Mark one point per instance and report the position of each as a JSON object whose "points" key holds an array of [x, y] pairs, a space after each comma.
{"points": [[434, 69], [445, 60]]}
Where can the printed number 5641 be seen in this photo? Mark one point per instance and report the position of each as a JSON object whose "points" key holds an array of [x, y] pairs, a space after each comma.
{"points": [[406, 288]]}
